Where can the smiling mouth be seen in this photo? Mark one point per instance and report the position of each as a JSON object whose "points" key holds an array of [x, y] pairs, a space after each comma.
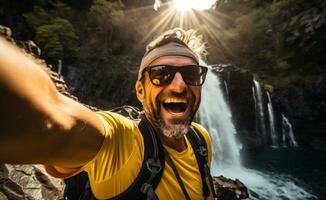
{"points": [[175, 106]]}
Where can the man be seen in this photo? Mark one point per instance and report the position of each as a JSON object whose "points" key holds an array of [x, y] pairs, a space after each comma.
{"points": [[39, 125]]}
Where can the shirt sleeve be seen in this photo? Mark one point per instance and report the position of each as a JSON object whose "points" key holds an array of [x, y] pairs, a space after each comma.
{"points": [[115, 150], [117, 147]]}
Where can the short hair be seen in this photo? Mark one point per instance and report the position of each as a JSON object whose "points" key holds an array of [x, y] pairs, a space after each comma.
{"points": [[189, 38]]}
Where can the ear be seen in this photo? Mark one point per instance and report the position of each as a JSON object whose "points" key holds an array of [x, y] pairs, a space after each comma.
{"points": [[140, 91]]}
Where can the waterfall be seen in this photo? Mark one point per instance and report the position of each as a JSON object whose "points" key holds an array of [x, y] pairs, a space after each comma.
{"points": [[287, 133], [256, 109], [271, 118], [226, 90], [260, 116], [215, 115], [60, 69], [157, 5]]}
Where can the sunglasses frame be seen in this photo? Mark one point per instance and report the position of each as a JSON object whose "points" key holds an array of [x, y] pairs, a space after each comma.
{"points": [[174, 70]]}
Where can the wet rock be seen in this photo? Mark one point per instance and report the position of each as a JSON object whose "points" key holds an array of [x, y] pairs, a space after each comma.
{"points": [[28, 182], [6, 32], [28, 46], [228, 189]]}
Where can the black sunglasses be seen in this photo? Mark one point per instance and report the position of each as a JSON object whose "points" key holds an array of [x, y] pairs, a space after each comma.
{"points": [[161, 75]]}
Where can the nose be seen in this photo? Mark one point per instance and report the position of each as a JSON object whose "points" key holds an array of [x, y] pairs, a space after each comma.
{"points": [[178, 84]]}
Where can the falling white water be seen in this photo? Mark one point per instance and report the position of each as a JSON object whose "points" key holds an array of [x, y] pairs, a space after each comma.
{"points": [[226, 90], [257, 120], [287, 133], [271, 118], [219, 125], [260, 109], [215, 115], [157, 4], [59, 66], [60, 69]]}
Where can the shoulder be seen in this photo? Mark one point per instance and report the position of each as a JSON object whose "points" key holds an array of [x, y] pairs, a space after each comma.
{"points": [[203, 132], [114, 121], [119, 130], [123, 145], [207, 138]]}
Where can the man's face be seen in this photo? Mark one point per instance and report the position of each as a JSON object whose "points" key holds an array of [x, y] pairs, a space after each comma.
{"points": [[172, 107]]}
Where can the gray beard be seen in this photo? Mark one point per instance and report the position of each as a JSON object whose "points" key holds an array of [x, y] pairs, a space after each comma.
{"points": [[175, 131]]}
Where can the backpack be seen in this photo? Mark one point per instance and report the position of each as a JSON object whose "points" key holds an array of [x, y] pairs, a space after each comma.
{"points": [[143, 187]]}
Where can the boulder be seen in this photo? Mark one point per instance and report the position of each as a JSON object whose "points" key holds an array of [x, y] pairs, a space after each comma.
{"points": [[30, 182], [228, 189]]}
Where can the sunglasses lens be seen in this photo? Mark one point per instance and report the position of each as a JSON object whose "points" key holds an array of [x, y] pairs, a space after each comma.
{"points": [[163, 74], [194, 75], [160, 75]]}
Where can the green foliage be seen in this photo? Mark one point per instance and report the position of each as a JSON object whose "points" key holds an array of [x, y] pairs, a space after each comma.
{"points": [[104, 18], [105, 15], [280, 5], [37, 17], [43, 13], [274, 39], [54, 33], [109, 32], [56, 38], [106, 12]]}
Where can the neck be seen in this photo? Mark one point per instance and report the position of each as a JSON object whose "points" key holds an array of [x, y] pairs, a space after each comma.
{"points": [[178, 144]]}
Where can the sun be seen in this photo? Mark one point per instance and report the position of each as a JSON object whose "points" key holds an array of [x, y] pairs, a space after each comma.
{"points": [[186, 5]]}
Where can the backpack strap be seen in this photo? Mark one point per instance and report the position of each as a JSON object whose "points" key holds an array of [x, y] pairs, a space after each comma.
{"points": [[152, 167], [176, 173], [77, 187], [199, 146]]}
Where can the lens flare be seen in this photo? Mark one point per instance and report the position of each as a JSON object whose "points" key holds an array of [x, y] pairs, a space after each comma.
{"points": [[185, 14], [186, 5]]}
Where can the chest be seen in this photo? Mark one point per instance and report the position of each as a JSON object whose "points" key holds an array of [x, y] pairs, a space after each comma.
{"points": [[188, 170]]}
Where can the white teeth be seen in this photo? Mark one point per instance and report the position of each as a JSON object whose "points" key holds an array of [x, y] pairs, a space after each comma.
{"points": [[174, 100]]}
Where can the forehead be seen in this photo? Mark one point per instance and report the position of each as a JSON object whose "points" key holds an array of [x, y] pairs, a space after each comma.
{"points": [[174, 60]]}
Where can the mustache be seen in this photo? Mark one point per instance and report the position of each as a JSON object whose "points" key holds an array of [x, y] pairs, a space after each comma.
{"points": [[172, 94]]}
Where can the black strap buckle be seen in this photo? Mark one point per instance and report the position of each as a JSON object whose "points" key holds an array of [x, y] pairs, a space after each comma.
{"points": [[206, 169], [145, 188], [149, 191], [154, 164], [202, 151]]}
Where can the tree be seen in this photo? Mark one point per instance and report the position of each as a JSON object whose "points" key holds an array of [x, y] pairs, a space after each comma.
{"points": [[57, 39], [54, 33], [104, 19]]}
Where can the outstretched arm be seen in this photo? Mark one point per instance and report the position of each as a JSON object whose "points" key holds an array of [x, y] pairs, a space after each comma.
{"points": [[37, 123]]}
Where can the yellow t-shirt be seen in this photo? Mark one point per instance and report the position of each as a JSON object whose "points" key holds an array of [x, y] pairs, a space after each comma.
{"points": [[119, 160]]}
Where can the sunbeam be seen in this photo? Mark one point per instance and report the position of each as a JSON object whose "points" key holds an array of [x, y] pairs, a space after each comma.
{"points": [[187, 14], [186, 5]]}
